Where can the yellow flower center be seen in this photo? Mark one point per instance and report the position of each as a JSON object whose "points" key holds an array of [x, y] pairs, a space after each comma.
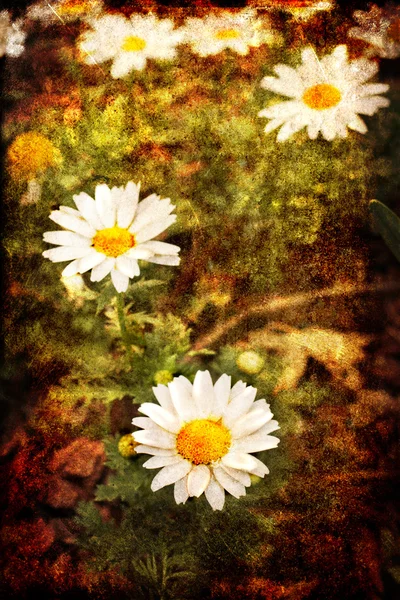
{"points": [[227, 34], [133, 44], [113, 241], [322, 96], [394, 31], [202, 441]]}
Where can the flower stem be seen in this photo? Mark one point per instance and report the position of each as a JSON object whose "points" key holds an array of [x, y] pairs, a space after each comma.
{"points": [[122, 324]]}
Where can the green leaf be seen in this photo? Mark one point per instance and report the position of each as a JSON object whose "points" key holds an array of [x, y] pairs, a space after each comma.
{"points": [[388, 225]]}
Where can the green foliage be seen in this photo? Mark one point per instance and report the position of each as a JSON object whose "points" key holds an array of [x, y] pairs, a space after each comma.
{"points": [[388, 225]]}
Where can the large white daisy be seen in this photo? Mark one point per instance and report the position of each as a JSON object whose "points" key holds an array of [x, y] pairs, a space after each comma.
{"points": [[129, 42], [202, 436], [11, 35], [237, 31], [109, 234], [326, 95], [379, 27]]}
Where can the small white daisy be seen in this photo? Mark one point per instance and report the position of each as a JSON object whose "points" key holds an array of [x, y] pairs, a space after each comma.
{"points": [[11, 35], [129, 42], [379, 27], [326, 95], [237, 31], [64, 11], [109, 234], [202, 436]]}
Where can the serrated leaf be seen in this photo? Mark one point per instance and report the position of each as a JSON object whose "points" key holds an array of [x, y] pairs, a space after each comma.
{"points": [[388, 225]]}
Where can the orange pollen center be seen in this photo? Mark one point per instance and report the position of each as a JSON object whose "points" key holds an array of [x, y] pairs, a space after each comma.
{"points": [[133, 44], [394, 31], [227, 34], [322, 96], [203, 441], [113, 241]]}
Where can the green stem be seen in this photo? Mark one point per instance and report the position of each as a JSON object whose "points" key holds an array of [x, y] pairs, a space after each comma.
{"points": [[122, 325]]}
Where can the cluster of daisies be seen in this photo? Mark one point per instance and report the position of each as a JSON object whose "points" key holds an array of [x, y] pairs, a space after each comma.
{"points": [[200, 435]]}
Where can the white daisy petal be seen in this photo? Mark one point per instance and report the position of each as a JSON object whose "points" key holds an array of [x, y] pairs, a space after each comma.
{"points": [[357, 124], [128, 203], [222, 389], [103, 269], [256, 443], [144, 449], [230, 484], [182, 400], [215, 495], [66, 238], [155, 438], [119, 280], [127, 266], [157, 211], [87, 208], [162, 248], [138, 252], [238, 388], [71, 269], [73, 223], [162, 417], [259, 469], [253, 420], [240, 476], [163, 396], [180, 491], [239, 406], [91, 260], [105, 205], [170, 474], [186, 383], [198, 479], [62, 253], [153, 229], [161, 461], [172, 261], [240, 461], [203, 393]]}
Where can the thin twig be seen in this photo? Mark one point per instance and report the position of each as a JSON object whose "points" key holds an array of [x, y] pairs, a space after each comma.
{"points": [[277, 303]]}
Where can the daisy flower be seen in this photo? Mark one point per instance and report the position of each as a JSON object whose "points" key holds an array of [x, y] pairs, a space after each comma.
{"points": [[237, 31], [109, 234], [202, 436], [325, 95], [11, 36], [64, 11], [299, 9], [129, 42], [379, 27]]}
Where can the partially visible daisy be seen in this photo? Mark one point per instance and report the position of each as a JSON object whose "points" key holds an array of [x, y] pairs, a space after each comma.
{"points": [[202, 435], [129, 42], [325, 95], [109, 234], [64, 11], [299, 9], [379, 27], [237, 31], [11, 35]]}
